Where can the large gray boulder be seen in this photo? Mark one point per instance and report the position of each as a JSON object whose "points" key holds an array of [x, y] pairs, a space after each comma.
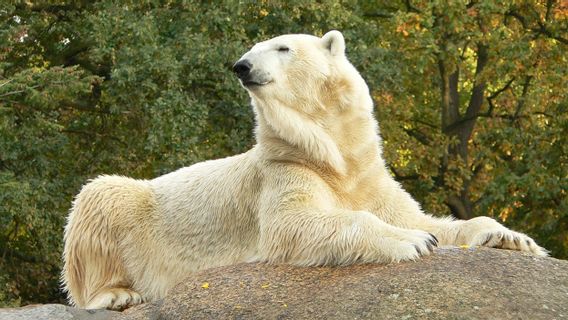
{"points": [[453, 283], [54, 312]]}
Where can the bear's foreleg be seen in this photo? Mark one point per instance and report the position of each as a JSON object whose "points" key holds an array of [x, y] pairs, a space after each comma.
{"points": [[308, 236], [482, 231]]}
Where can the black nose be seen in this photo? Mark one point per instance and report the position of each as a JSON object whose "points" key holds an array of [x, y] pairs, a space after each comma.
{"points": [[242, 68]]}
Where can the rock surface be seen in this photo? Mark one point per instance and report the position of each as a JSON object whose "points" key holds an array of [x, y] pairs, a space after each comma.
{"points": [[54, 312], [453, 283]]}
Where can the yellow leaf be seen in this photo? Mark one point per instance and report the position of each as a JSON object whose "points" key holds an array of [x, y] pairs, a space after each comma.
{"points": [[464, 246], [505, 212], [205, 285], [266, 285]]}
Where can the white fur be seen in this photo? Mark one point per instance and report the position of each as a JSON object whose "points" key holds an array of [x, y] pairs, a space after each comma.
{"points": [[313, 191]]}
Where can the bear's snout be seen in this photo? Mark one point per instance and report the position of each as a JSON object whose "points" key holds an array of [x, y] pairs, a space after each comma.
{"points": [[242, 69], [251, 75]]}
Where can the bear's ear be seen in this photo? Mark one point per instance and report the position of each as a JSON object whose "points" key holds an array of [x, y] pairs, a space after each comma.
{"points": [[334, 42]]}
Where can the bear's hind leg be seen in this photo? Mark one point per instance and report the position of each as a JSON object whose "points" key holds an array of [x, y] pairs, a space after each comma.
{"points": [[94, 273]]}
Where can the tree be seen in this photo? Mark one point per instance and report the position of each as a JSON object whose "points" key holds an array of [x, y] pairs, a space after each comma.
{"points": [[494, 89]]}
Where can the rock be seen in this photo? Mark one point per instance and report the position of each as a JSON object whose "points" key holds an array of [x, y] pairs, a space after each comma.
{"points": [[54, 312], [454, 283]]}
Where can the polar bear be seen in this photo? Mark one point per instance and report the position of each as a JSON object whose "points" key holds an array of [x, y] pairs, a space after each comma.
{"points": [[314, 190]]}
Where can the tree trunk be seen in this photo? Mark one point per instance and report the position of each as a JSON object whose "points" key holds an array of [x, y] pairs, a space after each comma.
{"points": [[460, 127]]}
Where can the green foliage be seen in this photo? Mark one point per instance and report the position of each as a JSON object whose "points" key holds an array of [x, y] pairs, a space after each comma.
{"points": [[513, 165], [142, 88]]}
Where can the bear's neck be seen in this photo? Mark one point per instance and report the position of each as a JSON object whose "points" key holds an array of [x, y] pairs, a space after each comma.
{"points": [[341, 143]]}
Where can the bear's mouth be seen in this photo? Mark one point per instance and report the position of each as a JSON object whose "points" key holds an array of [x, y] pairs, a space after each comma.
{"points": [[250, 83]]}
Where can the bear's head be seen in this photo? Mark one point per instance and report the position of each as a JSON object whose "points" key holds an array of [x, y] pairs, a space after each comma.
{"points": [[303, 90], [304, 72]]}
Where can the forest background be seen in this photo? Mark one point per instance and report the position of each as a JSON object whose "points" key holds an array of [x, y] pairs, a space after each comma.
{"points": [[471, 97]]}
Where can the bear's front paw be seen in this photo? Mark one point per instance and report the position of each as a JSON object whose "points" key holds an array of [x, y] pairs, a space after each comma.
{"points": [[410, 245], [424, 242], [484, 231], [507, 239]]}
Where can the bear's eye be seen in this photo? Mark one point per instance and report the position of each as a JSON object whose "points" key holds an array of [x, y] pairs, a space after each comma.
{"points": [[283, 49]]}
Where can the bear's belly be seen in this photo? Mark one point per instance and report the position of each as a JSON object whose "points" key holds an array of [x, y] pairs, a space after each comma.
{"points": [[207, 213]]}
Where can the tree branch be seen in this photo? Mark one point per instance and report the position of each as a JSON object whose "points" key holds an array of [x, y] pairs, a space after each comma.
{"points": [[421, 137], [51, 8], [466, 44], [378, 15], [428, 124], [450, 96], [517, 16], [494, 95], [18, 91], [549, 4], [475, 101], [6, 82], [400, 177], [498, 92], [457, 207], [541, 26], [522, 99], [543, 30], [23, 257], [95, 134], [410, 7]]}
